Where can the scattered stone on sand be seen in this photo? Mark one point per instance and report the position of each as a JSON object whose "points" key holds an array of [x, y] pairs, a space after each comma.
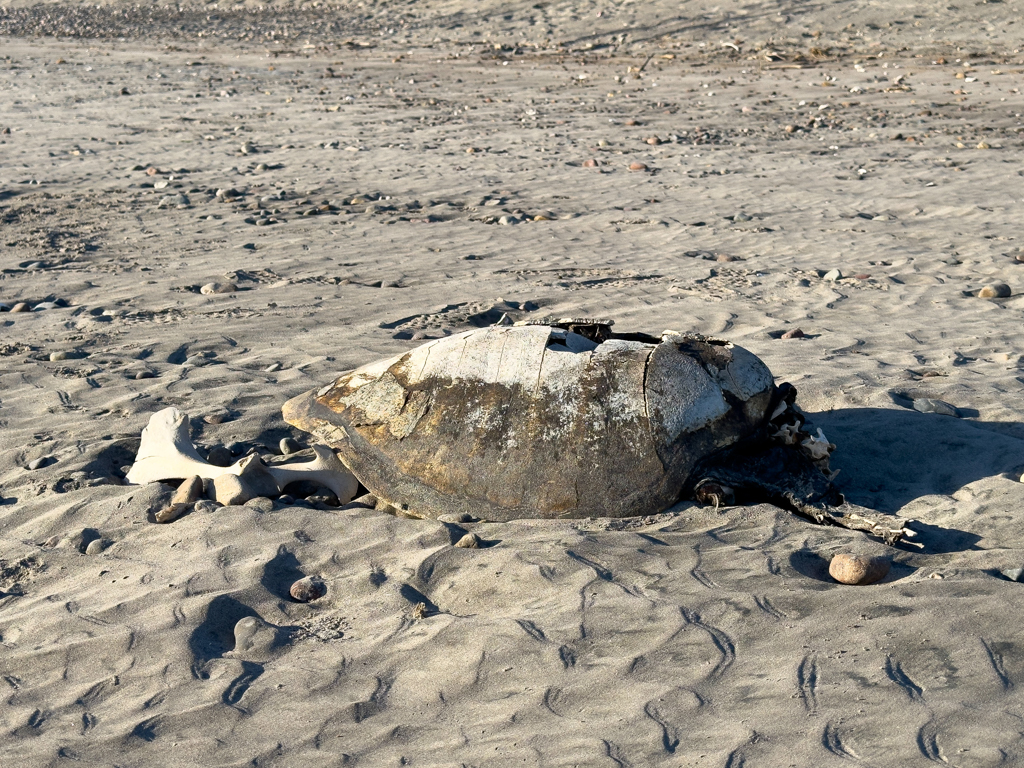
{"points": [[272, 368], [21, 306], [205, 505], [469, 541], [931, 405], [144, 375], [96, 546], [832, 275], [217, 417], [1013, 574], [42, 461], [215, 288], [590, 163], [51, 542], [795, 333], [307, 589], [229, 490], [636, 166], [260, 504], [858, 569], [220, 456], [289, 445], [189, 492], [995, 291], [463, 517]]}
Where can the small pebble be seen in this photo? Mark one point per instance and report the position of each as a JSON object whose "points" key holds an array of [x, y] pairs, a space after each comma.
{"points": [[469, 541], [307, 589], [862, 276], [214, 288], [289, 445], [1013, 574], [21, 306], [590, 163], [833, 275], [796, 333], [216, 418], [220, 456], [205, 505], [96, 546], [463, 517], [43, 461], [507, 220], [995, 291], [790, 129], [144, 375], [260, 504], [941, 407], [272, 368], [858, 569], [229, 490], [189, 492], [51, 542], [637, 167], [653, 141]]}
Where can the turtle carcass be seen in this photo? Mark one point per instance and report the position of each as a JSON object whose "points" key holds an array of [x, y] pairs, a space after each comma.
{"points": [[569, 419]]}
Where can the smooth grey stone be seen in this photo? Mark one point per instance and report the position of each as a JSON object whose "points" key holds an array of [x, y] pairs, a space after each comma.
{"points": [[1013, 574], [96, 546], [43, 461], [832, 275], [220, 456], [928, 405], [289, 445], [261, 504]]}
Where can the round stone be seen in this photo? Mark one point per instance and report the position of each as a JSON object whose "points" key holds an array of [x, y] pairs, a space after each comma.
{"points": [[96, 546], [307, 589], [995, 291], [637, 167], [469, 541], [858, 569]]}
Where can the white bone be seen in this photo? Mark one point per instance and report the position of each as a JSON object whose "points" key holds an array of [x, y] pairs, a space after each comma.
{"points": [[326, 470], [818, 447], [167, 453]]}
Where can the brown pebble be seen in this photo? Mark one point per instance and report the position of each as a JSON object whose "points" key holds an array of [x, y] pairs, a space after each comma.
{"points": [[21, 306], [307, 589], [189, 492], [637, 167], [858, 569], [725, 257], [151, 171], [862, 276], [632, 122], [469, 541], [790, 129], [229, 490], [96, 546], [653, 141], [171, 512], [590, 163], [995, 291], [796, 333], [51, 542]]}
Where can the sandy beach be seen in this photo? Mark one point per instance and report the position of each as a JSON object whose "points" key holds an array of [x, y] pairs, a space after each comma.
{"points": [[366, 177]]}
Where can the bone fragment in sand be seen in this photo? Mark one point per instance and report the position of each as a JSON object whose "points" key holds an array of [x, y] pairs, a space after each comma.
{"points": [[326, 470], [166, 453]]}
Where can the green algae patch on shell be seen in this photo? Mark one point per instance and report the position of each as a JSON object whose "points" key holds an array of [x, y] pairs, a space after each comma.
{"points": [[510, 422]]}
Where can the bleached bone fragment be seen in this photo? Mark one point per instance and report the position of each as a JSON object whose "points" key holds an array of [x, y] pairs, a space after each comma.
{"points": [[817, 447], [326, 470], [167, 453]]}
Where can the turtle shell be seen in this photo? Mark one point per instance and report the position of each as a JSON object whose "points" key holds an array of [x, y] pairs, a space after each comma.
{"points": [[538, 421]]}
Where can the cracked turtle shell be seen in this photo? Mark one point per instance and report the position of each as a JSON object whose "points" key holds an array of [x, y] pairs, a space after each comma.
{"points": [[535, 421]]}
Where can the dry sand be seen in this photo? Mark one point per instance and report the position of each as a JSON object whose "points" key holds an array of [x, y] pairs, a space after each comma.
{"points": [[372, 169]]}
